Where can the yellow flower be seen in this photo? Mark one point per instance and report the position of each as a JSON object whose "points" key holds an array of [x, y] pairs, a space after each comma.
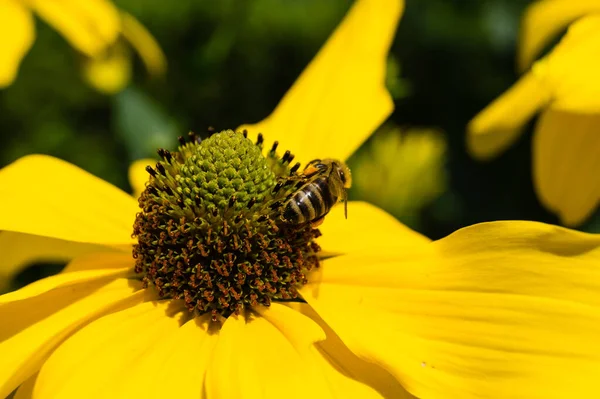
{"points": [[92, 27], [565, 87], [506, 309]]}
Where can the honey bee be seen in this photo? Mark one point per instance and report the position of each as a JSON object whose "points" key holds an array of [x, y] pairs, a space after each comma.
{"points": [[327, 181]]}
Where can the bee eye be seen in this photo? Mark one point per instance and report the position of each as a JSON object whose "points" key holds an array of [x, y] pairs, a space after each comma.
{"points": [[342, 176]]}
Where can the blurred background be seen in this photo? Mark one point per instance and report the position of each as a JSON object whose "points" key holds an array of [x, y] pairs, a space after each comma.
{"points": [[229, 62]]}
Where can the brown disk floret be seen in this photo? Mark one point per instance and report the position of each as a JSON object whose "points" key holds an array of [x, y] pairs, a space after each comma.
{"points": [[209, 232]]}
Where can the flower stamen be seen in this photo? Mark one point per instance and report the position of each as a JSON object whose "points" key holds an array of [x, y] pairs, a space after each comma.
{"points": [[210, 231]]}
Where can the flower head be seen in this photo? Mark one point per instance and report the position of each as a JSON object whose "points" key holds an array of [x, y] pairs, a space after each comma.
{"points": [[563, 86], [210, 231]]}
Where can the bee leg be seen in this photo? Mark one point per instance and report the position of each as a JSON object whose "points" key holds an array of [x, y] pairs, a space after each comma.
{"points": [[317, 222], [309, 171]]}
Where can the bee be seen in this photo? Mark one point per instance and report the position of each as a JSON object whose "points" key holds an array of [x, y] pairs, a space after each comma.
{"points": [[327, 181]]}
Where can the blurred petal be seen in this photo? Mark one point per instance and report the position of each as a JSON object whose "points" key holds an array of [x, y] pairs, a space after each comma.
{"points": [[145, 44], [96, 359], [401, 171], [495, 310], [377, 231], [48, 197], [18, 32], [340, 98], [90, 25], [570, 71], [496, 127], [38, 324], [138, 176], [111, 72], [566, 168], [544, 19], [20, 250]]}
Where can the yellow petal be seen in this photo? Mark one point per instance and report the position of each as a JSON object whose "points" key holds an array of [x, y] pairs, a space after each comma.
{"points": [[145, 44], [18, 32], [110, 72], [25, 391], [45, 196], [262, 360], [138, 176], [496, 127], [97, 261], [90, 26], [19, 250], [174, 367], [93, 267], [566, 154], [367, 228], [545, 19], [97, 359], [32, 328], [347, 374], [570, 70], [495, 310], [340, 98]]}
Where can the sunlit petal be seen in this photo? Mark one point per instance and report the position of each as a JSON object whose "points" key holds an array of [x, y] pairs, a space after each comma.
{"points": [[48, 197], [90, 26], [39, 323], [496, 310], [261, 357], [379, 231], [19, 250], [347, 374], [95, 359], [544, 19], [17, 31], [165, 370], [496, 127], [340, 98], [92, 267], [566, 154]]}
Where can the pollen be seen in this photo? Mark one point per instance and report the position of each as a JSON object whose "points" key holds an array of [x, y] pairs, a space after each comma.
{"points": [[210, 231]]}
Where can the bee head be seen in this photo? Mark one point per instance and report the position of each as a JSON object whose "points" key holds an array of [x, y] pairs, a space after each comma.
{"points": [[343, 172], [345, 176]]}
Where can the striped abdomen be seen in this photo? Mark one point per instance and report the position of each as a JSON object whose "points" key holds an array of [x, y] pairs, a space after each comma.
{"points": [[312, 201]]}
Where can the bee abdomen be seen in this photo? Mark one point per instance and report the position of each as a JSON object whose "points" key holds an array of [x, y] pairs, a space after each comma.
{"points": [[310, 202]]}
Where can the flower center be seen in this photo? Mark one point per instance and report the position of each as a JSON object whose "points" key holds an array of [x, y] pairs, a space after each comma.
{"points": [[210, 231]]}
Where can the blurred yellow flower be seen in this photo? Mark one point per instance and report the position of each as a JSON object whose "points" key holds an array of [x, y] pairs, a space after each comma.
{"points": [[564, 85], [401, 171], [496, 310], [91, 26]]}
